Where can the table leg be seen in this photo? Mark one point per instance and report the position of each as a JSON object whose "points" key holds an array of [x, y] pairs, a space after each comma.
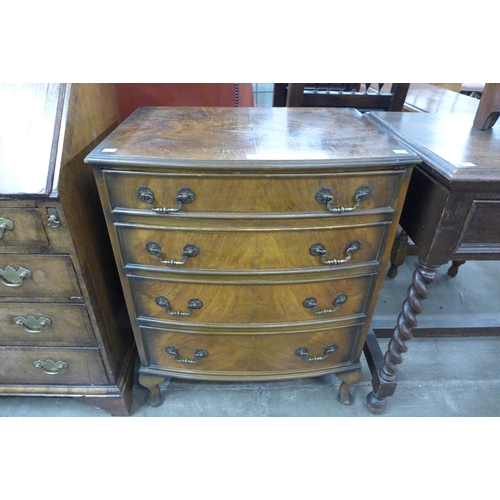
{"points": [[384, 380], [453, 270]]}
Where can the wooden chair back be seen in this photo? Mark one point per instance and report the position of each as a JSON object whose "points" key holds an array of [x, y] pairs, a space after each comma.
{"points": [[362, 96]]}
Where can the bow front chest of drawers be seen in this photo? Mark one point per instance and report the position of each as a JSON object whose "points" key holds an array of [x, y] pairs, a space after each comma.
{"points": [[250, 241], [64, 328]]}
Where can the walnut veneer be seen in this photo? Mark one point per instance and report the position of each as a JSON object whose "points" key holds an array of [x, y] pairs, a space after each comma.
{"points": [[235, 261], [64, 329]]}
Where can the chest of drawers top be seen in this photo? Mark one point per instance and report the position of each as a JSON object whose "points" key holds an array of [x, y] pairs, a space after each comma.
{"points": [[250, 138]]}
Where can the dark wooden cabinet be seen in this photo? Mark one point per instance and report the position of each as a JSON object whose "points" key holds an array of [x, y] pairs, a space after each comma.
{"points": [[64, 330], [250, 241]]}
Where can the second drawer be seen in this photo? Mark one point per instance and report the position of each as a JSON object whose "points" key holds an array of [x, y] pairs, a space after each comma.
{"points": [[279, 248]]}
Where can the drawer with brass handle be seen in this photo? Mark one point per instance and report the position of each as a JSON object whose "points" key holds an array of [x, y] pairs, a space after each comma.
{"points": [[282, 194], [276, 248], [51, 277], [21, 227], [249, 355], [245, 304], [45, 324], [25, 365]]}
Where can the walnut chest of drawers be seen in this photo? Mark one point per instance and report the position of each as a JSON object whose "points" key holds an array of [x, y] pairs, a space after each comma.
{"points": [[250, 241], [64, 328]]}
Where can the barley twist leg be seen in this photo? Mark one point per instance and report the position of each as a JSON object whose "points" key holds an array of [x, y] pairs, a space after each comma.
{"points": [[384, 380]]}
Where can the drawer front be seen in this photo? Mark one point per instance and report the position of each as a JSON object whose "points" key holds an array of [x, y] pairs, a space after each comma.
{"points": [[240, 304], [481, 226], [245, 194], [49, 276], [21, 227], [45, 324], [22, 365], [279, 249], [246, 354]]}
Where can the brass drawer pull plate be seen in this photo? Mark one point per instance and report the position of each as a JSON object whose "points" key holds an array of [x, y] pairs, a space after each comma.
{"points": [[318, 249], [312, 303], [52, 218], [192, 305], [32, 324], [4, 225], [184, 196], [189, 250], [325, 197], [12, 277], [199, 354], [302, 352], [50, 367]]}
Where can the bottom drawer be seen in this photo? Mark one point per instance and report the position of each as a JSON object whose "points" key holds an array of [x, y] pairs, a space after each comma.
{"points": [[247, 355], [23, 365]]}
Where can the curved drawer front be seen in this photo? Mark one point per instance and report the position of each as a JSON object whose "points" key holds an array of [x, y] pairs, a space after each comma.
{"points": [[21, 227], [45, 324], [48, 276], [248, 304], [244, 194], [250, 354], [280, 249], [22, 365]]}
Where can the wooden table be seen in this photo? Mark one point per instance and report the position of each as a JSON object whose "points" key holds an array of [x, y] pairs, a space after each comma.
{"points": [[451, 212]]}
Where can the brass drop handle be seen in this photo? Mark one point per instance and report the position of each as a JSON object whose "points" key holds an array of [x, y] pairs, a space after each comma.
{"points": [[189, 250], [312, 303], [32, 324], [4, 225], [325, 197], [192, 305], [50, 367], [303, 353], [12, 277], [146, 195], [318, 249], [199, 354]]}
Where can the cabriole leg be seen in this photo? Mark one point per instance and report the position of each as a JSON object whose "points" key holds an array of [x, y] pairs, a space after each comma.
{"points": [[151, 382], [348, 380]]}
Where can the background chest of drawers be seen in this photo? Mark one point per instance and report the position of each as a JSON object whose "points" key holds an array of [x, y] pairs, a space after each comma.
{"points": [[64, 329], [249, 240]]}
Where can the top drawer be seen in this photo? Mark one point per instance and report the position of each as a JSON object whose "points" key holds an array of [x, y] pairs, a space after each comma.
{"points": [[21, 227], [240, 193]]}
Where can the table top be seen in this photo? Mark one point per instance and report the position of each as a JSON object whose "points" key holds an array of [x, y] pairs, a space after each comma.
{"points": [[449, 145], [426, 98], [291, 138]]}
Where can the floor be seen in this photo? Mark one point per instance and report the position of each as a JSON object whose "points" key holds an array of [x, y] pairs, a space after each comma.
{"points": [[440, 377]]}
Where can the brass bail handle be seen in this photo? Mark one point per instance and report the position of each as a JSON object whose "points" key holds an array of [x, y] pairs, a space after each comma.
{"points": [[324, 196], [193, 304], [312, 303], [4, 225], [188, 251], [303, 353], [199, 354], [14, 277], [31, 323], [318, 249], [50, 367], [184, 196]]}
